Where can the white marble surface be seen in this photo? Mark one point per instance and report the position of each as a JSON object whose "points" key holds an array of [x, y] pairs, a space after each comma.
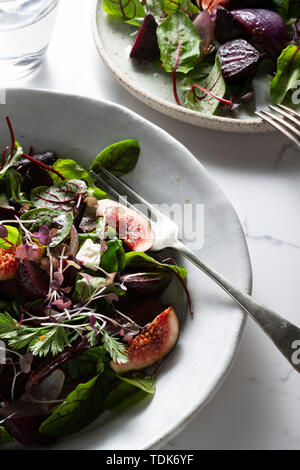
{"points": [[258, 406]]}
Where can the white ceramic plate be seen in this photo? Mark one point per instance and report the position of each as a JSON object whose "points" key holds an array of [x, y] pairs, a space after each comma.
{"points": [[166, 172], [146, 82]]}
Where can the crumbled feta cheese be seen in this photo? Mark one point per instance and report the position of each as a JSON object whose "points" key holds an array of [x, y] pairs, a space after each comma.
{"points": [[90, 255]]}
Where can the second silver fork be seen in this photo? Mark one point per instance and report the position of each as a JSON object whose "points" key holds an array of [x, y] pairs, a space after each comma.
{"points": [[284, 119], [283, 333]]}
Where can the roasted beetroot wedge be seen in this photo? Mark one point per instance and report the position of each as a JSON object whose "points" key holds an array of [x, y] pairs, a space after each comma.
{"points": [[238, 60], [145, 46]]}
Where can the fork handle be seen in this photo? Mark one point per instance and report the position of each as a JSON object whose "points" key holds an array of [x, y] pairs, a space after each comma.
{"points": [[284, 334]]}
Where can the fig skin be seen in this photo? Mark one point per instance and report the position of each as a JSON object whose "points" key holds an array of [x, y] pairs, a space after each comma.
{"points": [[238, 60], [32, 281], [132, 227], [145, 46], [153, 343]]}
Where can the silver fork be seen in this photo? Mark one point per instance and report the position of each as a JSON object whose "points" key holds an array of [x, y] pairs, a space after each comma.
{"points": [[284, 334], [285, 120]]}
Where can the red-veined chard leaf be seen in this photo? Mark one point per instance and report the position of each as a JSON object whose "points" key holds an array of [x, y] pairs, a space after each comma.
{"points": [[154, 7], [127, 9], [81, 407], [288, 73], [61, 221], [179, 44], [119, 158], [171, 6], [206, 102], [63, 196], [71, 170]]}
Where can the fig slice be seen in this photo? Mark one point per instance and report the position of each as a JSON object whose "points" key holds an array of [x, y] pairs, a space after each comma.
{"points": [[153, 343], [8, 263], [131, 226], [238, 59], [145, 46]]}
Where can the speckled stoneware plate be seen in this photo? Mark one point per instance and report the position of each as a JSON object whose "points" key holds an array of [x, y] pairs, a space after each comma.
{"points": [[166, 173], [146, 82]]}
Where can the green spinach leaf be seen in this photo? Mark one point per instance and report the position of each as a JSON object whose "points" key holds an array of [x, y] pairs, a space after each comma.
{"points": [[81, 407], [113, 260], [10, 161], [288, 73], [129, 392], [14, 181], [142, 262], [5, 437], [87, 364], [119, 158]]}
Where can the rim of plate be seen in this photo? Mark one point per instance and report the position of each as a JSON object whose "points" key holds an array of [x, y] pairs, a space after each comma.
{"points": [[228, 362], [255, 125]]}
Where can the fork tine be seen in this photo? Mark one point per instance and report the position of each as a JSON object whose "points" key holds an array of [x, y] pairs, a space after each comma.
{"points": [[283, 122], [115, 194], [122, 186], [289, 110], [279, 125], [289, 116]]}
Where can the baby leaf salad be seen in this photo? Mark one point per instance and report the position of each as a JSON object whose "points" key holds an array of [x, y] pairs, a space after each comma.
{"points": [[81, 320], [214, 48]]}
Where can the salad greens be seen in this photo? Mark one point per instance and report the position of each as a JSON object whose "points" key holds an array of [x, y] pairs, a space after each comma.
{"points": [[225, 40], [75, 298]]}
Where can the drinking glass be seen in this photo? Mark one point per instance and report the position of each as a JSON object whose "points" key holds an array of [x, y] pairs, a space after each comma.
{"points": [[25, 30]]}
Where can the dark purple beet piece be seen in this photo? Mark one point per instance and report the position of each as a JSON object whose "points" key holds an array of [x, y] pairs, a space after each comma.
{"points": [[256, 3], [32, 281], [145, 47], [6, 380], [22, 165], [265, 27], [228, 27], [238, 59], [25, 429], [9, 290]]}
